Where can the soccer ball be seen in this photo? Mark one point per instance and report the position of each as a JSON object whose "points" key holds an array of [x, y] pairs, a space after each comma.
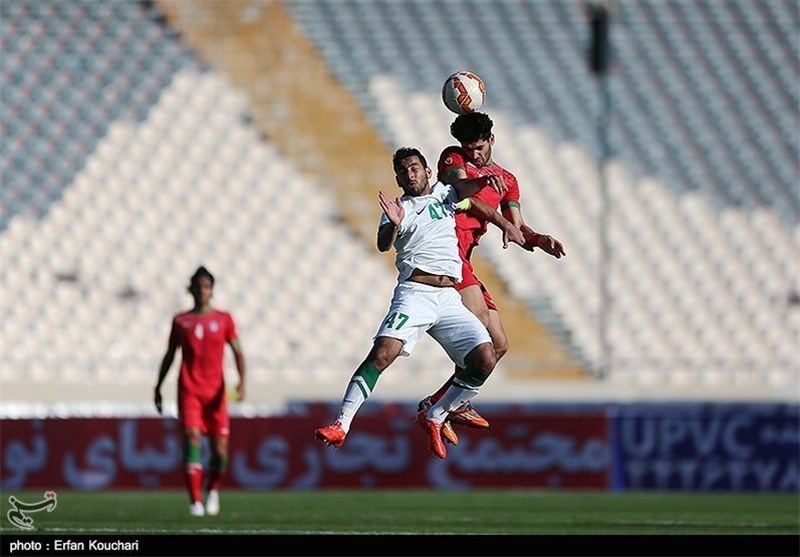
{"points": [[463, 92]]}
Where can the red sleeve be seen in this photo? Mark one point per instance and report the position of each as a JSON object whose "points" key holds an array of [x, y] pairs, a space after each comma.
{"points": [[512, 194], [452, 157]]}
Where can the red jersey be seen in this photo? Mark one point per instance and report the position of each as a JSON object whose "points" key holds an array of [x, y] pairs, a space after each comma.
{"points": [[468, 227], [202, 338]]}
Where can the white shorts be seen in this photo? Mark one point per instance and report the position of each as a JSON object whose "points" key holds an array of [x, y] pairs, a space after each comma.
{"points": [[418, 308]]}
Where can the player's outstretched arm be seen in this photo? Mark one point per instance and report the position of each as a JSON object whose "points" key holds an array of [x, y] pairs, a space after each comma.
{"points": [[484, 211]]}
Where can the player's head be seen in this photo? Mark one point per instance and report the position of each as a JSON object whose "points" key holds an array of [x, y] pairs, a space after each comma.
{"points": [[201, 286], [474, 132], [411, 171]]}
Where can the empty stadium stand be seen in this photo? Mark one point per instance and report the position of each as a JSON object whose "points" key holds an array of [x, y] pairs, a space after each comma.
{"points": [[702, 181], [141, 139]]}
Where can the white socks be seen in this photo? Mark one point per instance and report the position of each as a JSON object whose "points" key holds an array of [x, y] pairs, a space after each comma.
{"points": [[354, 397], [452, 399]]}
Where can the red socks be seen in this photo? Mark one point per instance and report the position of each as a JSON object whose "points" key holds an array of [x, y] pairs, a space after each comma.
{"points": [[193, 474]]}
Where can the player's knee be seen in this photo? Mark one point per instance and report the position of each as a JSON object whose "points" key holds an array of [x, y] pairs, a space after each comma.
{"points": [[193, 436], [381, 358], [483, 358], [220, 447], [500, 348], [384, 352]]}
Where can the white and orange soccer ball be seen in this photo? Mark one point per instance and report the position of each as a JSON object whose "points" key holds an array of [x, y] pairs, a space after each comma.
{"points": [[463, 92]]}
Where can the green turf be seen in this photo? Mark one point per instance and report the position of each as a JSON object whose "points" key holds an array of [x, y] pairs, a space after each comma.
{"points": [[416, 512]]}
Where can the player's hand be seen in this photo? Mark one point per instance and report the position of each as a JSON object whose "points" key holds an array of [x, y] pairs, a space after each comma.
{"points": [[496, 183], [157, 399], [513, 234], [542, 241], [392, 207], [240, 391], [550, 245]]}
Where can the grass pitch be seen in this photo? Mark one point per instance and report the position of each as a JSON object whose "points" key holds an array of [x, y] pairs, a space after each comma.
{"points": [[414, 512]]}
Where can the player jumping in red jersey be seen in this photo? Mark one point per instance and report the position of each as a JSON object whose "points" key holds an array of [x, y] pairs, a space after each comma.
{"points": [[473, 159], [202, 334]]}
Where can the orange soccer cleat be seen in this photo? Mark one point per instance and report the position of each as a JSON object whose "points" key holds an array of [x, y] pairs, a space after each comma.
{"points": [[332, 435], [434, 432], [448, 432], [468, 416]]}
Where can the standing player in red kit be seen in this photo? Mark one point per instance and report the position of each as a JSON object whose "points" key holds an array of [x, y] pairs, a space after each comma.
{"points": [[202, 334], [473, 159]]}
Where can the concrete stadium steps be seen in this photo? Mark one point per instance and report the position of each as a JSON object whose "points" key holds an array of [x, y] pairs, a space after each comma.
{"points": [[316, 122], [292, 97]]}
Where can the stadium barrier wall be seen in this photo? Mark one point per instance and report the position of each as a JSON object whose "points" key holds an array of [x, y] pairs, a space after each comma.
{"points": [[598, 447], [697, 447]]}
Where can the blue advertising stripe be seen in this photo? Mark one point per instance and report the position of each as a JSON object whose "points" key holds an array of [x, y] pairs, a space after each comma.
{"points": [[708, 447]]}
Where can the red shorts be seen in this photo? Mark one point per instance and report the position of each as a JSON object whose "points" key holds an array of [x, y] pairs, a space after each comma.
{"points": [[468, 278], [210, 414]]}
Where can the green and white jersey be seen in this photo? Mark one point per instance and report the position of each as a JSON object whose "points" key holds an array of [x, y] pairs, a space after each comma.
{"points": [[426, 239]]}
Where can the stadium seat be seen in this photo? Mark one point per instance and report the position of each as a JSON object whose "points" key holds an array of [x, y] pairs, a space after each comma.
{"points": [[118, 141]]}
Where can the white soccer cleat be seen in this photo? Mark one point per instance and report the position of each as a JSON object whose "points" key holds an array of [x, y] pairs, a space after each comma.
{"points": [[197, 509], [212, 503]]}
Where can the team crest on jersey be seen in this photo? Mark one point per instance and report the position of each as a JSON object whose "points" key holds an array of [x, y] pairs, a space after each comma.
{"points": [[213, 326], [198, 331]]}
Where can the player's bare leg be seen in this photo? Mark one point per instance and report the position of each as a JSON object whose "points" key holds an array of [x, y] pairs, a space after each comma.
{"points": [[474, 300], [384, 352]]}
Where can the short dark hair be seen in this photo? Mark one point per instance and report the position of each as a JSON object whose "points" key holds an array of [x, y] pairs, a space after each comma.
{"points": [[403, 153], [471, 127], [198, 274]]}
